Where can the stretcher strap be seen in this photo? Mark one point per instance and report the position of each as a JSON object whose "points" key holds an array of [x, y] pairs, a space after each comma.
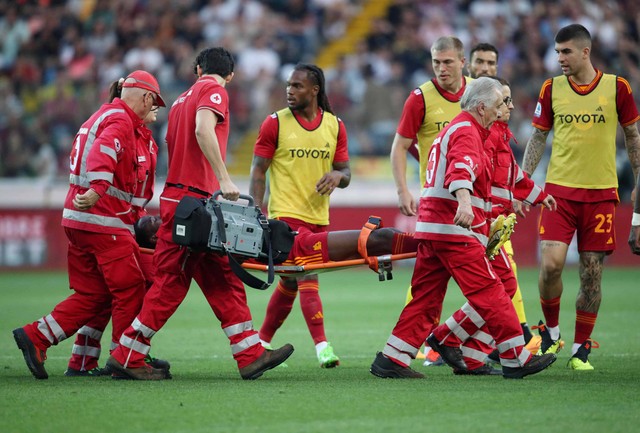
{"points": [[373, 223]]}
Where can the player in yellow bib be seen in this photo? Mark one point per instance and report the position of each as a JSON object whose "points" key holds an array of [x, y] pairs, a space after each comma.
{"points": [[584, 107], [304, 148]]}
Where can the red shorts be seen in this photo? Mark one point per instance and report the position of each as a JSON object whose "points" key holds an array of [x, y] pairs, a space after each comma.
{"points": [[593, 223], [309, 245]]}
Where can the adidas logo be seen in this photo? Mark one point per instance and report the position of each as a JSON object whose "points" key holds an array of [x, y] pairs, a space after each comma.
{"points": [[599, 109], [292, 135], [541, 230], [318, 316], [317, 246], [610, 241], [439, 111], [327, 145]]}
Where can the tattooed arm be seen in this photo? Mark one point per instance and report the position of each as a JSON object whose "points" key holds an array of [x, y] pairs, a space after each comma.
{"points": [[634, 235], [632, 142], [534, 150]]}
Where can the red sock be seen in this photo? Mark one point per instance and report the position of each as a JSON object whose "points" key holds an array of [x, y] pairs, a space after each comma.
{"points": [[403, 243], [585, 322], [551, 311], [278, 309], [312, 309]]}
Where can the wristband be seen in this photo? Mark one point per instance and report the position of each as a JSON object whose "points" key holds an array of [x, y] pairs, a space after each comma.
{"points": [[635, 220]]}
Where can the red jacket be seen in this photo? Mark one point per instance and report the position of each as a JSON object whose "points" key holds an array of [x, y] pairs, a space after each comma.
{"points": [[509, 181], [146, 173], [457, 159], [105, 157]]}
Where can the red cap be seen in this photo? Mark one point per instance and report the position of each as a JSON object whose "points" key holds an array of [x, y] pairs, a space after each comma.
{"points": [[144, 80]]}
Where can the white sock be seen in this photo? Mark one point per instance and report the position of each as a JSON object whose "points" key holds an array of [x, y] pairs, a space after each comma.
{"points": [[554, 332], [320, 347], [265, 343]]}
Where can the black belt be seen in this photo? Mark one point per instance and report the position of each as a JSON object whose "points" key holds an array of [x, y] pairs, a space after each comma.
{"points": [[189, 188]]}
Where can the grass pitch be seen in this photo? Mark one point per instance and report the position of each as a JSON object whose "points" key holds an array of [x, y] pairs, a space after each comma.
{"points": [[207, 394]]}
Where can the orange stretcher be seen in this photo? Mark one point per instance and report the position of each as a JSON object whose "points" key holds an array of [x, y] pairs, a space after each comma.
{"points": [[382, 265]]}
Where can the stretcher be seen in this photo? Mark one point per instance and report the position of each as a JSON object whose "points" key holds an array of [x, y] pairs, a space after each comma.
{"points": [[382, 265]]}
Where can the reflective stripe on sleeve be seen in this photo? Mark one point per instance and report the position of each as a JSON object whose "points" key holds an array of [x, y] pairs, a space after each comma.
{"points": [[109, 152], [100, 175]]}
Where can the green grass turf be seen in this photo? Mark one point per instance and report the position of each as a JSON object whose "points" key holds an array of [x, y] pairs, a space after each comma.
{"points": [[207, 394]]}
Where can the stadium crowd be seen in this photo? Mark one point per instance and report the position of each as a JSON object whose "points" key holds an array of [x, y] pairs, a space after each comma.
{"points": [[58, 58]]}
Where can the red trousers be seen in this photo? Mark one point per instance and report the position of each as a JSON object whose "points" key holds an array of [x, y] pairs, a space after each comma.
{"points": [[436, 263], [87, 348], [224, 291], [465, 327], [104, 273]]}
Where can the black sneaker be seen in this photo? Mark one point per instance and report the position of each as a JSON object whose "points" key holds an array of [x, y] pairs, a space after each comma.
{"points": [[72, 372], [33, 356], [157, 363], [494, 357], [451, 355], [485, 370], [536, 364], [387, 369], [548, 345]]}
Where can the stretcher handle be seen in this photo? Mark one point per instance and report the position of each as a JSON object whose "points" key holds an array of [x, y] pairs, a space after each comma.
{"points": [[246, 197]]}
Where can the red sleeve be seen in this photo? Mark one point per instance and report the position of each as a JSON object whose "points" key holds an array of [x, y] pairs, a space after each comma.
{"points": [[267, 140], [627, 110], [462, 160], [342, 148], [412, 115], [101, 155], [543, 116], [100, 186], [525, 189], [214, 98]]}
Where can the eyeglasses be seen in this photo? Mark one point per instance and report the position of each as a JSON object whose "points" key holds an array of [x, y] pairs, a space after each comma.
{"points": [[507, 100], [155, 100]]}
